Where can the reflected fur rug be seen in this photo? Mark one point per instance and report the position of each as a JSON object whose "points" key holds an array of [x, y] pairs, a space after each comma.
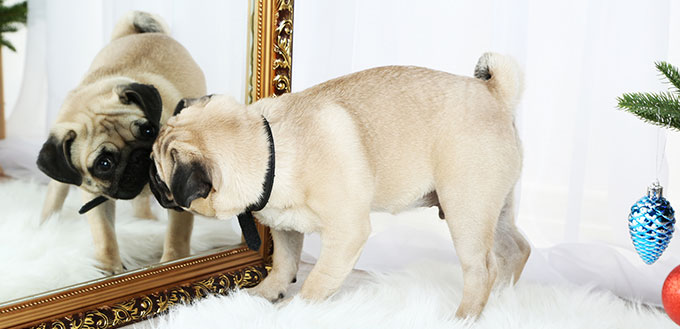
{"points": [[422, 296], [36, 258]]}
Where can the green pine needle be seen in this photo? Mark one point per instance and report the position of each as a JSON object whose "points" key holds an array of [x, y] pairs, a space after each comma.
{"points": [[662, 109], [671, 73], [7, 44]]}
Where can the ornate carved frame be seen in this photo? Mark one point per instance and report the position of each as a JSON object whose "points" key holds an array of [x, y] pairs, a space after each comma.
{"points": [[134, 296]]}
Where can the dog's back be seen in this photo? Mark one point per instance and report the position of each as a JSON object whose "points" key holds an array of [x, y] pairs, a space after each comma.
{"points": [[141, 49], [437, 113]]}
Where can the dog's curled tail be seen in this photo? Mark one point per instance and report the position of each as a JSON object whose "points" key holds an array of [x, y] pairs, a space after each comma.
{"points": [[139, 22], [503, 77]]}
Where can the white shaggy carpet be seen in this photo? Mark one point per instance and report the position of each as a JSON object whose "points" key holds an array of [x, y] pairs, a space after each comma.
{"points": [[422, 296], [36, 258]]}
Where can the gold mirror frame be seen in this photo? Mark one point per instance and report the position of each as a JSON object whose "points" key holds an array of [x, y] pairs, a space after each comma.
{"points": [[133, 296]]}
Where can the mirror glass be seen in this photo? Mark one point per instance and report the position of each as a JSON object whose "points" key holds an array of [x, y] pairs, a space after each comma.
{"points": [[37, 257]]}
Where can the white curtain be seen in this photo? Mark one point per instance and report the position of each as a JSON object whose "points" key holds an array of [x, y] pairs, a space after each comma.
{"points": [[585, 162], [64, 36]]}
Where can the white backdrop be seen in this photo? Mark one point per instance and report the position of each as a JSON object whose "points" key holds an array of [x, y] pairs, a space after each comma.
{"points": [[585, 162]]}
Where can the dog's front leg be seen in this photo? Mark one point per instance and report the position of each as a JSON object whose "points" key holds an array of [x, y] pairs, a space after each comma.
{"points": [[178, 236], [341, 246], [54, 201], [286, 259], [102, 226]]}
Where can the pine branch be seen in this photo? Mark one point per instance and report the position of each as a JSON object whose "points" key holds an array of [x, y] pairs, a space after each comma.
{"points": [[7, 44], [15, 14], [671, 73], [662, 109], [10, 19]]}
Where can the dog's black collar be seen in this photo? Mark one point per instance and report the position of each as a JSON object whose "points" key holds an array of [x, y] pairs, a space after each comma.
{"points": [[92, 204], [246, 219]]}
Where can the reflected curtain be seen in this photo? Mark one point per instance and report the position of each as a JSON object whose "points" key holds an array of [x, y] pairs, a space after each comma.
{"points": [[585, 162]]}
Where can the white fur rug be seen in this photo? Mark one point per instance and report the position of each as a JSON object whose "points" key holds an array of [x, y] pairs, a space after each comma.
{"points": [[423, 296], [36, 258]]}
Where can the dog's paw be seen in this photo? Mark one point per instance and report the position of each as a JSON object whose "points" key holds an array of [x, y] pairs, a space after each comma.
{"points": [[283, 302], [112, 269], [170, 255], [269, 290]]}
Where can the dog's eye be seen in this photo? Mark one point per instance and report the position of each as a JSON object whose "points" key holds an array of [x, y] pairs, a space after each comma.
{"points": [[147, 131], [104, 164]]}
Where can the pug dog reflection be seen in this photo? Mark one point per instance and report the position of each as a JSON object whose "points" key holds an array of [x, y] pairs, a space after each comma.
{"points": [[104, 131]]}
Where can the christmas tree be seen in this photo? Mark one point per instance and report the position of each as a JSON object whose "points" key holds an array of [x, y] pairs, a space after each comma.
{"points": [[11, 18], [662, 108]]}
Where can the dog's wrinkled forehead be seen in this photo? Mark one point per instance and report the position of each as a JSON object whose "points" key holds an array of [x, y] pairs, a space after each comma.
{"points": [[188, 123]]}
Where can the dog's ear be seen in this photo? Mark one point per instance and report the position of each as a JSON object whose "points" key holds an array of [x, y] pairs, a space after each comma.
{"points": [[180, 106], [145, 96], [190, 181], [186, 102], [55, 159]]}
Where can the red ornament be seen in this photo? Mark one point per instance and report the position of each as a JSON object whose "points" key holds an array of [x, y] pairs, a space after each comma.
{"points": [[670, 295]]}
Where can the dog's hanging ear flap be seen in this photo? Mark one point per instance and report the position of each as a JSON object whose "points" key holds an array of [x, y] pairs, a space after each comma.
{"points": [[186, 102], [180, 106], [145, 96], [189, 182], [55, 159]]}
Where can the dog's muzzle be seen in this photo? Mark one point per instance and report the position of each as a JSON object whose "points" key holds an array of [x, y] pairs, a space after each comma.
{"points": [[160, 190], [134, 178]]}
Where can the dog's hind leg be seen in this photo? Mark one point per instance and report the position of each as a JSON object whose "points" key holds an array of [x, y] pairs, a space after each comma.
{"points": [[54, 201], [178, 236], [511, 248], [102, 226], [286, 259], [472, 222], [472, 192], [140, 205]]}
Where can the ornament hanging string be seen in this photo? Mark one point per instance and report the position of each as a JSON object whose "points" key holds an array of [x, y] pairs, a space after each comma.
{"points": [[660, 151]]}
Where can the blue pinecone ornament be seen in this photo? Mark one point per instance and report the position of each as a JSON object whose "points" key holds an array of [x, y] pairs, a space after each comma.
{"points": [[651, 223]]}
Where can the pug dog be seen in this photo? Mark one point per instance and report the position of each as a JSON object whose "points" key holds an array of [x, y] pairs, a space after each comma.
{"points": [[384, 139], [102, 136]]}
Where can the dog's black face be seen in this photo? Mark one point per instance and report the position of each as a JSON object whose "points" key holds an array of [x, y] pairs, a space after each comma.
{"points": [[189, 182], [160, 190], [125, 171], [110, 153]]}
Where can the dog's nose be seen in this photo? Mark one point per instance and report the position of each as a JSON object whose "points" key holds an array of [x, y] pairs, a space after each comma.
{"points": [[139, 155]]}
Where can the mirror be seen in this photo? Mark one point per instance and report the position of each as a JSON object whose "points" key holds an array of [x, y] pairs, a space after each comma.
{"points": [[219, 261]]}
